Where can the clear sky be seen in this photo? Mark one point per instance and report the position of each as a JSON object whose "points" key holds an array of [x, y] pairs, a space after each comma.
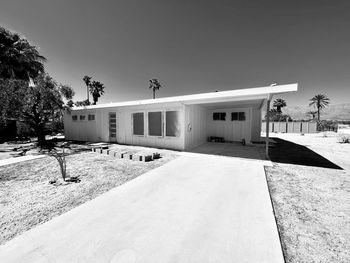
{"points": [[190, 46]]}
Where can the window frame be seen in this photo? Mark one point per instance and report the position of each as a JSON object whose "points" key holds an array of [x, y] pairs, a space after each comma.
{"points": [[244, 115], [220, 115], [91, 115], [165, 126], [82, 119], [132, 124], [162, 127], [239, 114], [76, 117]]}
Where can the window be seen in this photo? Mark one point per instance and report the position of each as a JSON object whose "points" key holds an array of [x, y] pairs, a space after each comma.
{"points": [[74, 117], [234, 116], [138, 123], [219, 116], [172, 124], [91, 117], [238, 116], [241, 116], [155, 123], [82, 117]]}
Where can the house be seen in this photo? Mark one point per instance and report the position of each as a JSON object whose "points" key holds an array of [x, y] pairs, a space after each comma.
{"points": [[181, 122]]}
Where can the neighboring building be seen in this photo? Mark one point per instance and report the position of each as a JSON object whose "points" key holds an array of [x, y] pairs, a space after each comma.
{"points": [[343, 128], [180, 123]]}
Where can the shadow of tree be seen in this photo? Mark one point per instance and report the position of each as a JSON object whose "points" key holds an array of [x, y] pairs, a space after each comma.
{"points": [[287, 152]]}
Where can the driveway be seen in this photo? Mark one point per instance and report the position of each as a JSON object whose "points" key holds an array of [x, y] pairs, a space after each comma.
{"points": [[197, 208]]}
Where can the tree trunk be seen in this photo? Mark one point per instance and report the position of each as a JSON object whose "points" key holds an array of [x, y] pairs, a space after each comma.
{"points": [[154, 93], [318, 114], [41, 136]]}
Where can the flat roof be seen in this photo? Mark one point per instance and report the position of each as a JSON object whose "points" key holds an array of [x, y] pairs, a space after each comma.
{"points": [[220, 96]]}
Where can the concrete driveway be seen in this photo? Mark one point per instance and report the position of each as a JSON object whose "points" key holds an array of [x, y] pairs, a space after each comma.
{"points": [[196, 208]]}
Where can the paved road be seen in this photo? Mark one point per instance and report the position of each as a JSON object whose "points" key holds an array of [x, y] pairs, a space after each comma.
{"points": [[196, 208]]}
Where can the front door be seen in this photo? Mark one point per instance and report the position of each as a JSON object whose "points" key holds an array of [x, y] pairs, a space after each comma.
{"points": [[112, 116]]}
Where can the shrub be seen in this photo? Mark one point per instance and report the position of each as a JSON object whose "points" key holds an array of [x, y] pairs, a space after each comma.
{"points": [[344, 138]]}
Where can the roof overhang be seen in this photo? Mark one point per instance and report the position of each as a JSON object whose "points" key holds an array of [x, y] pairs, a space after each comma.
{"points": [[260, 93]]}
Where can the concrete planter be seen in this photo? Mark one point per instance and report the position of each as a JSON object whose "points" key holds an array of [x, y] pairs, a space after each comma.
{"points": [[147, 158], [156, 156], [137, 157], [127, 156]]}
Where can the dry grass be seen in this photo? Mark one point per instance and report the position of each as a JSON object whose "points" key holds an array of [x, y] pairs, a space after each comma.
{"points": [[27, 199], [312, 204]]}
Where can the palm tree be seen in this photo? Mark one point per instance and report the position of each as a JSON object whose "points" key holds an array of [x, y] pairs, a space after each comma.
{"points": [[19, 59], [279, 104], [154, 85], [319, 101], [87, 81], [96, 90]]}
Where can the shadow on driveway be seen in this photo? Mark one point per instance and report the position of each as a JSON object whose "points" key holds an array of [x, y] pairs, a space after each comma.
{"points": [[287, 152]]}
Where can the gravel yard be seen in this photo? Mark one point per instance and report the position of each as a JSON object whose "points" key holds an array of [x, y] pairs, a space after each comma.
{"points": [[312, 202], [27, 199]]}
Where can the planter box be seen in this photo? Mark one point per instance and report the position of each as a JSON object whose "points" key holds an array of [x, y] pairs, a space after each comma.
{"points": [[136, 157], [147, 158], [118, 155], [156, 156], [98, 150], [127, 156]]}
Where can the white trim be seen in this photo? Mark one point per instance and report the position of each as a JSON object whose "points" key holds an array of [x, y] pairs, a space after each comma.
{"points": [[221, 96]]}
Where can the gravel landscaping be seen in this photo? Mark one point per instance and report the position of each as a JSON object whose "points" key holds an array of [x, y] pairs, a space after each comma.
{"points": [[27, 199], [311, 199]]}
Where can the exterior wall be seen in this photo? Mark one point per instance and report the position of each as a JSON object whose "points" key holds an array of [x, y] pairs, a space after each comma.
{"points": [[195, 126], [125, 127], [83, 130], [98, 130], [230, 130]]}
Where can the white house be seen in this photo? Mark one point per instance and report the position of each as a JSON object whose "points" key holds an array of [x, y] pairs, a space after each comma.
{"points": [[181, 122]]}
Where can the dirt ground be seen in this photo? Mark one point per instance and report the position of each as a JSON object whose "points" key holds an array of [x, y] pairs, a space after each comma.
{"points": [[312, 203], [27, 199]]}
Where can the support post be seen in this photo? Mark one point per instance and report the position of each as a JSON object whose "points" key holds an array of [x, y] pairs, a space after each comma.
{"points": [[267, 127]]}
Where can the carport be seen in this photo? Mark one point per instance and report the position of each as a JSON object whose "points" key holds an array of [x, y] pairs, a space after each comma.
{"points": [[230, 117]]}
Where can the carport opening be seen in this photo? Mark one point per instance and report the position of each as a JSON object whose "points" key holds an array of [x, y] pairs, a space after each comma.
{"points": [[229, 128]]}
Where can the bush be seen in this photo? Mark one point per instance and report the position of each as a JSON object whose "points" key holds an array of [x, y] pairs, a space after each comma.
{"points": [[344, 138]]}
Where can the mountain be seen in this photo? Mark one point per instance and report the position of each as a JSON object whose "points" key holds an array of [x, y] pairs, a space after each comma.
{"points": [[332, 112]]}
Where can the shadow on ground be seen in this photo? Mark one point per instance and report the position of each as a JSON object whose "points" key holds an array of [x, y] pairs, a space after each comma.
{"points": [[287, 152], [256, 152]]}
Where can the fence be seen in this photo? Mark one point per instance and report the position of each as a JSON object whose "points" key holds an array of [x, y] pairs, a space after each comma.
{"points": [[291, 127]]}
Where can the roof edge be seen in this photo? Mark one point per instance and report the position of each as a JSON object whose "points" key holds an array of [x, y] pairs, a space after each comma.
{"points": [[277, 89]]}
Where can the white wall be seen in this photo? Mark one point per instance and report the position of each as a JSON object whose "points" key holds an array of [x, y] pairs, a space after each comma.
{"points": [[230, 130], [125, 127], [82, 130], [195, 126], [256, 125], [98, 130]]}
